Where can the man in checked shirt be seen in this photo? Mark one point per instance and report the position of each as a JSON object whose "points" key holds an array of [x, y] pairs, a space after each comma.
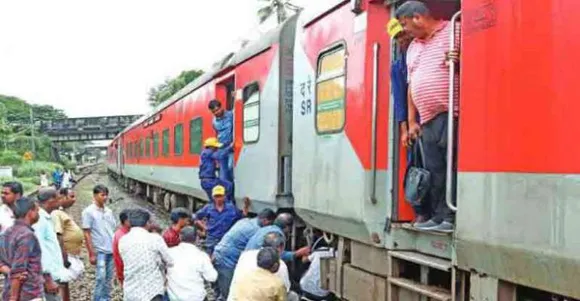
{"points": [[20, 256]]}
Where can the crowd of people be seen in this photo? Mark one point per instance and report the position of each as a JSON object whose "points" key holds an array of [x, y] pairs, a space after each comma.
{"points": [[40, 245]]}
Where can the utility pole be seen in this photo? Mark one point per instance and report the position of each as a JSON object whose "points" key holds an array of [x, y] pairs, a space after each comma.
{"points": [[32, 131]]}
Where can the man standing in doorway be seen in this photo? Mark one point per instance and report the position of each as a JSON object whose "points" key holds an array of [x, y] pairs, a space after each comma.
{"points": [[428, 76], [98, 223], [223, 124], [400, 91]]}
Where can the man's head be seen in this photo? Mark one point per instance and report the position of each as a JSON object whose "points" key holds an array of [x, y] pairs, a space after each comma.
{"points": [[180, 217], [396, 31], [275, 241], [68, 197], [139, 218], [266, 217], [216, 108], [188, 235], [219, 194], [48, 199], [416, 18], [284, 221], [268, 259], [27, 210], [124, 218], [11, 191], [100, 194]]}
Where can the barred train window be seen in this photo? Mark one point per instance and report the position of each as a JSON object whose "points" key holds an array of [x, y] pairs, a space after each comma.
{"points": [[147, 147], [178, 139], [195, 135], [165, 142], [156, 145], [330, 91], [251, 113]]}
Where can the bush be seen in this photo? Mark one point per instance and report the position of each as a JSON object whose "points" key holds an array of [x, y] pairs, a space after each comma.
{"points": [[10, 158], [28, 184], [32, 169]]}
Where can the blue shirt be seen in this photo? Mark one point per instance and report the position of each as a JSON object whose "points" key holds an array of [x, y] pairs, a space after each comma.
{"points": [[257, 240], [56, 177], [218, 223], [230, 248], [207, 168], [224, 127], [51, 259], [399, 86], [101, 222]]}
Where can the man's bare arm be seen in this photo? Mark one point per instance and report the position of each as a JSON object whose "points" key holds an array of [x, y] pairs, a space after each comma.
{"points": [[64, 255], [89, 244]]}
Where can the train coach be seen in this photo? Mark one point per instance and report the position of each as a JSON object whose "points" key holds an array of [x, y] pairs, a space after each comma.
{"points": [[314, 135]]}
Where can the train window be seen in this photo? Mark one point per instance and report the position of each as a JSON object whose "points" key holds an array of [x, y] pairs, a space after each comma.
{"points": [[178, 139], [251, 113], [165, 142], [141, 145], [156, 145], [195, 135], [147, 147], [330, 90]]}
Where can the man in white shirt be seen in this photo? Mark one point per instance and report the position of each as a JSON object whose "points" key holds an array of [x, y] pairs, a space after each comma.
{"points": [[248, 263], [11, 191], [185, 279], [145, 259]]}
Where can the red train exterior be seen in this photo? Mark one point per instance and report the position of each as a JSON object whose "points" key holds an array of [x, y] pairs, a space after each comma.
{"points": [[322, 143]]}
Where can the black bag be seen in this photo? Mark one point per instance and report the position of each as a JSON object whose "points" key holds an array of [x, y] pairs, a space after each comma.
{"points": [[417, 179]]}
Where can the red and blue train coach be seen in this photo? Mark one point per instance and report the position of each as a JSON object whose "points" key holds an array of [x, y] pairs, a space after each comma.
{"points": [[162, 148], [314, 132]]}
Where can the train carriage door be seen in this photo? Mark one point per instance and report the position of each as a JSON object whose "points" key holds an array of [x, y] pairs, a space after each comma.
{"points": [[402, 211]]}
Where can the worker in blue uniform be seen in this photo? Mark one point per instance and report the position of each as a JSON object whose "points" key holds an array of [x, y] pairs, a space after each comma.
{"points": [[400, 96], [282, 226], [223, 124], [208, 167]]}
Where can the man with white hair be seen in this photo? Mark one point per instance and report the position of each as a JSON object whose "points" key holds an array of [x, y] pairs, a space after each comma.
{"points": [[185, 279]]}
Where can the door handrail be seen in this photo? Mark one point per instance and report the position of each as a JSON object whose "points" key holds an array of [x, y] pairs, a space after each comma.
{"points": [[450, 123]]}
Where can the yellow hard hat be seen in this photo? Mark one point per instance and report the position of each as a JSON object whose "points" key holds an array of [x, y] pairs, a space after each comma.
{"points": [[212, 142], [394, 28], [218, 190]]}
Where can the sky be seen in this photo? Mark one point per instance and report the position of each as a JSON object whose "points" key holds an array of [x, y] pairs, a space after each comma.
{"points": [[99, 58]]}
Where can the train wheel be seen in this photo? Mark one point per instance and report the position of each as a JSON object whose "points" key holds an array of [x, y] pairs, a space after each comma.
{"points": [[167, 202], [190, 205], [173, 202]]}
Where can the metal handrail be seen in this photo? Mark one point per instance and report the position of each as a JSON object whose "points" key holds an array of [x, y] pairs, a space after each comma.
{"points": [[373, 196], [450, 125]]}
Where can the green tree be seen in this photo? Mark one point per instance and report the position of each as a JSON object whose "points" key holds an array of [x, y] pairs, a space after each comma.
{"points": [[279, 8], [164, 91]]}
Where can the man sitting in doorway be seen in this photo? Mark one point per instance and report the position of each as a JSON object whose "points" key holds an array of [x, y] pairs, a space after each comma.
{"points": [[428, 96], [207, 170]]}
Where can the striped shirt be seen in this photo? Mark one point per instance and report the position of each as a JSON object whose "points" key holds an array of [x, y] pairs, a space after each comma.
{"points": [[428, 73]]}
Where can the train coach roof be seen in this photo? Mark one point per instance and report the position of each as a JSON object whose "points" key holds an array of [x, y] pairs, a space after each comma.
{"points": [[232, 59]]}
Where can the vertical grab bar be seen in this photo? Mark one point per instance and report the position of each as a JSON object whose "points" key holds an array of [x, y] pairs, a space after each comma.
{"points": [[450, 125], [373, 196]]}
